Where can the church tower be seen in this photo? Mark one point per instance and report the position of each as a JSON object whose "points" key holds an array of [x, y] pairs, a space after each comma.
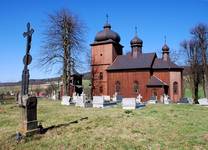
{"points": [[136, 45], [105, 49], [165, 52]]}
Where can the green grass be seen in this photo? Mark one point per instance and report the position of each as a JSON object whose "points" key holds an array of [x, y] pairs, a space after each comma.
{"points": [[189, 94], [87, 87], [154, 127]]}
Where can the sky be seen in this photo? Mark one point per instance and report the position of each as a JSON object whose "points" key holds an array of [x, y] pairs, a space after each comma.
{"points": [[153, 18]]}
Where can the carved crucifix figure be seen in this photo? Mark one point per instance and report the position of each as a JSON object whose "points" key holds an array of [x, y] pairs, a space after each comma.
{"points": [[28, 34], [27, 60]]}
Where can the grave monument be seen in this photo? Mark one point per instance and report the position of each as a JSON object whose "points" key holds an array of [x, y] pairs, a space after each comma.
{"points": [[27, 103]]}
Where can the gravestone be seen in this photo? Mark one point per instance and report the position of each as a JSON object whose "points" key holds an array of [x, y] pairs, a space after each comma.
{"points": [[65, 100], [129, 103], [29, 115], [203, 101], [28, 104], [106, 98], [103, 102], [98, 101], [166, 99], [81, 100]]}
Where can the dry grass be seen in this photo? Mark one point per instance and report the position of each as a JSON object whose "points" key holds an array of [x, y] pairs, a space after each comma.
{"points": [[154, 127]]}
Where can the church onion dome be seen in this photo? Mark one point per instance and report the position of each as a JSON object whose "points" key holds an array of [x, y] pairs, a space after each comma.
{"points": [[107, 34], [165, 48], [136, 41]]}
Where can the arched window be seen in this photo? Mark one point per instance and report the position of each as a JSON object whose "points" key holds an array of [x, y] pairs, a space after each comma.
{"points": [[101, 76], [101, 89], [175, 87], [117, 87], [136, 87]]}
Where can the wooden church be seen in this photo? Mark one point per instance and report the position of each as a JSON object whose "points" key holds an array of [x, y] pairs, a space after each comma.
{"points": [[134, 73]]}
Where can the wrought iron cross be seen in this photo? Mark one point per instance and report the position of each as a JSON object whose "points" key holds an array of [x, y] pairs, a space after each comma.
{"points": [[107, 18], [28, 34], [165, 39], [27, 60], [135, 30]]}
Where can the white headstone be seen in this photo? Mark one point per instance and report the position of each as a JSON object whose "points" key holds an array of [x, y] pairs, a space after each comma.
{"points": [[129, 103], [53, 97], [203, 101], [98, 101], [80, 101], [166, 99], [106, 98], [65, 100]]}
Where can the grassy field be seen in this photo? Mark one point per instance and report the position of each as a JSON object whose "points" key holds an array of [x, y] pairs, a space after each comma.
{"points": [[154, 127]]}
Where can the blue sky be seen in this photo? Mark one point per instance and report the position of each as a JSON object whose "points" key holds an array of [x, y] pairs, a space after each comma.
{"points": [[154, 19]]}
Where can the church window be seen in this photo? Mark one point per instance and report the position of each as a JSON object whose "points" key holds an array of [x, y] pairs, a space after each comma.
{"points": [[101, 89], [117, 87], [136, 87], [101, 76], [175, 88]]}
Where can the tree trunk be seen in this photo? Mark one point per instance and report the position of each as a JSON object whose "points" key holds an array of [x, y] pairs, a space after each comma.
{"points": [[204, 62], [203, 85], [69, 60], [65, 83], [196, 90], [206, 85]]}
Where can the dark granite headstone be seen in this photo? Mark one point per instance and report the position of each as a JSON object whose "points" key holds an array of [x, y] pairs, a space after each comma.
{"points": [[29, 115]]}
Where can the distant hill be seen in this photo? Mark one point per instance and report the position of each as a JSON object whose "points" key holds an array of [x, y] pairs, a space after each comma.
{"points": [[86, 76], [32, 81]]}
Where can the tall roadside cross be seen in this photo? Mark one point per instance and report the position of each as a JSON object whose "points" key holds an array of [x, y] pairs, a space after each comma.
{"points": [[28, 103], [27, 60]]}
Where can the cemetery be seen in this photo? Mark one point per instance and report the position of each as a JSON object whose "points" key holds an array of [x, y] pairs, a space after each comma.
{"points": [[97, 93], [114, 127], [76, 120]]}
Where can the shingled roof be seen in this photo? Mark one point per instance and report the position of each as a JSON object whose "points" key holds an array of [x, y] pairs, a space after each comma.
{"points": [[143, 61], [162, 64], [154, 81], [127, 62]]}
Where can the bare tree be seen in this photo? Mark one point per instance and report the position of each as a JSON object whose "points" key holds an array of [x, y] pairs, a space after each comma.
{"points": [[63, 40], [174, 55], [200, 35], [193, 59]]}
